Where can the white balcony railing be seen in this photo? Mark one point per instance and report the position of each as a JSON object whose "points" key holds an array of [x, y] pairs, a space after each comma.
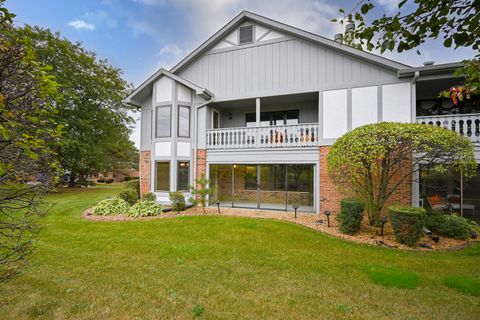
{"points": [[465, 124], [286, 136]]}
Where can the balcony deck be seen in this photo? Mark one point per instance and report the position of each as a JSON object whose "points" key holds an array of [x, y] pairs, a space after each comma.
{"points": [[465, 124], [285, 136]]}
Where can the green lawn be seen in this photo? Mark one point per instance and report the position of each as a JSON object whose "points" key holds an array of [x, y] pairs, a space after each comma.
{"points": [[228, 268]]}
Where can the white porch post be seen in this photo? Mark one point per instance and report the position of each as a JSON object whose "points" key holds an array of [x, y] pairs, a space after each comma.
{"points": [[257, 111]]}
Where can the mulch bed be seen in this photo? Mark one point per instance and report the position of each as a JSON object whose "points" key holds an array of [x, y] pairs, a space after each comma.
{"points": [[367, 234]]}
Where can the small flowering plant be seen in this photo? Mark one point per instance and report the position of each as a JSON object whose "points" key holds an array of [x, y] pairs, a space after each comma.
{"points": [[457, 93]]}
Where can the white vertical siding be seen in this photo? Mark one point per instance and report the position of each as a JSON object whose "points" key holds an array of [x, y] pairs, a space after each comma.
{"points": [[272, 67]]}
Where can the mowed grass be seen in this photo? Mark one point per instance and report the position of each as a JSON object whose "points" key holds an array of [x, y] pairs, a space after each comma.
{"points": [[227, 268]]}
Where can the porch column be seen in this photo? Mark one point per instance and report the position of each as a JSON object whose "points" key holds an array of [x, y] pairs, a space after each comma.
{"points": [[257, 111]]}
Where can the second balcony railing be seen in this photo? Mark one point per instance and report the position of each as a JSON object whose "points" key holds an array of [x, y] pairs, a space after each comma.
{"points": [[286, 136]]}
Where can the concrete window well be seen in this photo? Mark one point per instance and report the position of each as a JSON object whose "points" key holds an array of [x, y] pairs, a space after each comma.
{"points": [[264, 186]]}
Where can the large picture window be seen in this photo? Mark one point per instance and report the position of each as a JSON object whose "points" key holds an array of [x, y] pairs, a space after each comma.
{"points": [[183, 174], [162, 176], [184, 121], [163, 117]]}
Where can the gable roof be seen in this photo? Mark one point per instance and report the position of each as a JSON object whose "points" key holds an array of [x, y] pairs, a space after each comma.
{"points": [[144, 89], [247, 15]]}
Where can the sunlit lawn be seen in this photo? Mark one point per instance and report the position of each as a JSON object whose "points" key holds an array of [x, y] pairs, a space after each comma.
{"points": [[228, 268]]}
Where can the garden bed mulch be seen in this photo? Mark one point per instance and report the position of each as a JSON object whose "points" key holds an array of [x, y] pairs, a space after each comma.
{"points": [[367, 234]]}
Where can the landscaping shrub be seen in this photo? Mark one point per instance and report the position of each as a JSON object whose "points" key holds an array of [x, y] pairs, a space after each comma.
{"points": [[149, 196], [351, 215], [109, 180], [111, 206], [178, 201], [100, 180], [449, 226], [407, 223], [145, 209], [129, 195], [130, 178], [134, 185]]}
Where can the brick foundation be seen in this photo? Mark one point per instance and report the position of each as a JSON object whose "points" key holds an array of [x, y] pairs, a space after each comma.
{"points": [[330, 195], [145, 172]]}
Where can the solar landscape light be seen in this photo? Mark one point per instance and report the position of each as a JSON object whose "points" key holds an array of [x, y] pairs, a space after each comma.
{"points": [[327, 213], [295, 207], [383, 221], [218, 206]]}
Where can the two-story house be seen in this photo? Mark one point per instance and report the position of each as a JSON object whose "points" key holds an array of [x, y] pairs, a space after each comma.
{"points": [[257, 106]]}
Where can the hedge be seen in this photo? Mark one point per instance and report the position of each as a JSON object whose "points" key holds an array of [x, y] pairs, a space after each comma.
{"points": [[351, 215], [449, 226], [407, 223]]}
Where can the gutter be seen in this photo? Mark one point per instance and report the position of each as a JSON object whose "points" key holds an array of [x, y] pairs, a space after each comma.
{"points": [[195, 141]]}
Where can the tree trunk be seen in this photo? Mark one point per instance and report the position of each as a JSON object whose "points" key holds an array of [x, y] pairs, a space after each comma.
{"points": [[71, 180]]}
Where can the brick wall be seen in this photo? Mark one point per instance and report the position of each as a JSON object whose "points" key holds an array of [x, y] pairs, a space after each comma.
{"points": [[330, 194], [201, 163], [145, 171]]}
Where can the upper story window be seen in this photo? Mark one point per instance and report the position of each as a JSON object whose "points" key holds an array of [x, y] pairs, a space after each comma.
{"points": [[245, 34], [184, 121], [163, 123]]}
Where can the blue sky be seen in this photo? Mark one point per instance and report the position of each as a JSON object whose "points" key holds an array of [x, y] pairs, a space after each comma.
{"points": [[140, 36]]}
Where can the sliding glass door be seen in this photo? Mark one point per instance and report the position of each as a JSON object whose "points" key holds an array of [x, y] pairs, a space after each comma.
{"points": [[272, 192], [245, 186], [265, 186]]}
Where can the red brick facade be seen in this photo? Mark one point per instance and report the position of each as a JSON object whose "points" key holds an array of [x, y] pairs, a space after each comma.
{"points": [[330, 195], [201, 163], [145, 171]]}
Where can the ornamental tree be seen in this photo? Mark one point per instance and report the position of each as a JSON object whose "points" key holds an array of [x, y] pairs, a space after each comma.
{"points": [[28, 136], [373, 161]]}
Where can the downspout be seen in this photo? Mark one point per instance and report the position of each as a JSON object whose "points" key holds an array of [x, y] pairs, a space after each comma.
{"points": [[195, 141], [415, 77]]}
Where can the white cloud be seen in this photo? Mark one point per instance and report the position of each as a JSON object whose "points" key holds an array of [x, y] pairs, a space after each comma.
{"points": [[101, 17], [389, 5], [81, 25], [170, 54], [209, 16], [170, 49]]}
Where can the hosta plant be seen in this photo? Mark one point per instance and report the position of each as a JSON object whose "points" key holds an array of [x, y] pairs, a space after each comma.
{"points": [[111, 206], [145, 209]]}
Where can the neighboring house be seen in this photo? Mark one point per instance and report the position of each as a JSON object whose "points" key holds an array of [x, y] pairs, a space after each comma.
{"points": [[257, 106]]}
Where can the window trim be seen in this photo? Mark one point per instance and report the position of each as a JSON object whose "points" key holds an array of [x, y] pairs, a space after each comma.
{"points": [[169, 106], [169, 173], [253, 34], [178, 120], [178, 165]]}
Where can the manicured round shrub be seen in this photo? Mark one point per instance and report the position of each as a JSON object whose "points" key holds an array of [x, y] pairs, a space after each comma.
{"points": [[449, 226], [407, 223], [134, 185], [149, 196], [351, 215], [129, 195], [111, 206], [178, 201], [145, 209]]}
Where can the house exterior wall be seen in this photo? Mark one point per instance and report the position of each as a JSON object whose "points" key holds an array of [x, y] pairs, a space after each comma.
{"points": [[275, 64], [279, 66]]}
